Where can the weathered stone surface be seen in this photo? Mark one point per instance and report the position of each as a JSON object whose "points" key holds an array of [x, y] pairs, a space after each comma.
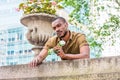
{"points": [[84, 69], [39, 29]]}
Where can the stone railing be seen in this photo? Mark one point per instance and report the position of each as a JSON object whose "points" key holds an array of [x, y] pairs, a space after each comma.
{"points": [[85, 69]]}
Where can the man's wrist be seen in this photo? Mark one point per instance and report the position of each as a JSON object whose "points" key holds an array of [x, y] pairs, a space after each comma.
{"points": [[64, 56], [40, 59]]}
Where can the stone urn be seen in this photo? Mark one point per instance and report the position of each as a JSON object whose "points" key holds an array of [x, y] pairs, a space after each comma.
{"points": [[39, 29]]}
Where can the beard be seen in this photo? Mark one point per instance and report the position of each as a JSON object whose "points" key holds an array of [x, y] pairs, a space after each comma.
{"points": [[63, 35]]}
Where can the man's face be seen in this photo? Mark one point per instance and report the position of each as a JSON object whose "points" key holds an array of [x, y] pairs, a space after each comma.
{"points": [[60, 27]]}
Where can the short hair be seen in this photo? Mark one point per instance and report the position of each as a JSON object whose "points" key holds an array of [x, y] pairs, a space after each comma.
{"points": [[61, 18]]}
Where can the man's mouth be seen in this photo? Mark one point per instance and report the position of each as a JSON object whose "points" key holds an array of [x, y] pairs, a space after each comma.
{"points": [[59, 33]]}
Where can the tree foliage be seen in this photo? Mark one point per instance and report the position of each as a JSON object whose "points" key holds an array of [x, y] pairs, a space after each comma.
{"points": [[102, 23]]}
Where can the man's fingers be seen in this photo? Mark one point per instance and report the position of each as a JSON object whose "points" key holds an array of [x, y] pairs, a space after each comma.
{"points": [[58, 51], [56, 48], [58, 54], [34, 63]]}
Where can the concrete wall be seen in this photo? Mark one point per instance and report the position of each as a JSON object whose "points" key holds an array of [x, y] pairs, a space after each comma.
{"points": [[84, 69]]}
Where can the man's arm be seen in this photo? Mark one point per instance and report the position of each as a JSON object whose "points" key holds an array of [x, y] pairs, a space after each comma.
{"points": [[38, 59], [84, 53]]}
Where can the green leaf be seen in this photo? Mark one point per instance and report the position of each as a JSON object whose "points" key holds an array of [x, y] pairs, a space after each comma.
{"points": [[21, 5]]}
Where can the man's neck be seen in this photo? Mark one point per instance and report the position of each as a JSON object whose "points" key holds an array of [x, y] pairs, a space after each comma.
{"points": [[67, 36]]}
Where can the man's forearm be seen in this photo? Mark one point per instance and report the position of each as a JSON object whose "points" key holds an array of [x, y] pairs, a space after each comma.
{"points": [[42, 55], [75, 56]]}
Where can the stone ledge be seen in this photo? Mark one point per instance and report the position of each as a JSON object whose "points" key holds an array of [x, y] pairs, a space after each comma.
{"points": [[83, 69]]}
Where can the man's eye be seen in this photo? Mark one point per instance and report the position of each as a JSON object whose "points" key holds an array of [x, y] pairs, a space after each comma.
{"points": [[54, 28], [58, 25]]}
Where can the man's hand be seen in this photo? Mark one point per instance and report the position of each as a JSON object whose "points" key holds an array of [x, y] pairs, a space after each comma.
{"points": [[36, 61], [59, 51]]}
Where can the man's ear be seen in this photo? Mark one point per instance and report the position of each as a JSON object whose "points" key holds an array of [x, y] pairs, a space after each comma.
{"points": [[66, 24]]}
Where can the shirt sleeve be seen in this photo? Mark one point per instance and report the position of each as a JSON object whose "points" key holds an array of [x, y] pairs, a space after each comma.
{"points": [[82, 40], [50, 43]]}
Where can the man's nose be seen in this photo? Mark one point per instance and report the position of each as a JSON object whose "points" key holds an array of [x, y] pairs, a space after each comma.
{"points": [[57, 29]]}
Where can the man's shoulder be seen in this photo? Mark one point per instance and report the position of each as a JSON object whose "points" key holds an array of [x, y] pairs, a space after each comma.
{"points": [[53, 38]]}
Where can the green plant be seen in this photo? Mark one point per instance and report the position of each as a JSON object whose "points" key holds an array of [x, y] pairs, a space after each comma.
{"points": [[40, 6], [100, 20], [60, 44]]}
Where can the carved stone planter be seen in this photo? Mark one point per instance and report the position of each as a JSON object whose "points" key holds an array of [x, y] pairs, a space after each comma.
{"points": [[39, 29]]}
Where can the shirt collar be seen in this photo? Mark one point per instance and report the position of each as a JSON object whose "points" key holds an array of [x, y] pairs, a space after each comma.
{"points": [[71, 36]]}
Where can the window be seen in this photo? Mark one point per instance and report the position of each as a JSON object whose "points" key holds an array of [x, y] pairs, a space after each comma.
{"points": [[11, 63], [20, 36], [20, 51], [8, 52], [29, 50], [12, 52], [13, 39], [1, 39], [9, 39], [53, 59], [25, 51]]}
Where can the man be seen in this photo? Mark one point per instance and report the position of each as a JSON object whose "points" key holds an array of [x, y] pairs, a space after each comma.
{"points": [[76, 46]]}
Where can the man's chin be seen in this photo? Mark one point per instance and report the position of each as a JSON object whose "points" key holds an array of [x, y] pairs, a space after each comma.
{"points": [[59, 36]]}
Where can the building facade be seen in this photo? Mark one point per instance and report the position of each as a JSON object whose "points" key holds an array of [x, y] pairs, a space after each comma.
{"points": [[14, 48]]}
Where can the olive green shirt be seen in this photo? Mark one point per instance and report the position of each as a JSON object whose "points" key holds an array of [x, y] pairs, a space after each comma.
{"points": [[72, 46]]}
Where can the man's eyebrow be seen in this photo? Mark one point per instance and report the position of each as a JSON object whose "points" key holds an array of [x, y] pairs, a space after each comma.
{"points": [[58, 24]]}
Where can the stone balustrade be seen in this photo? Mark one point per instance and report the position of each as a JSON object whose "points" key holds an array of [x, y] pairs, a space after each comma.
{"points": [[107, 68]]}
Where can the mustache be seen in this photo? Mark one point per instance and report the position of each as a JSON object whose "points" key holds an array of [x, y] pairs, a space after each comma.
{"points": [[58, 31], [55, 33]]}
